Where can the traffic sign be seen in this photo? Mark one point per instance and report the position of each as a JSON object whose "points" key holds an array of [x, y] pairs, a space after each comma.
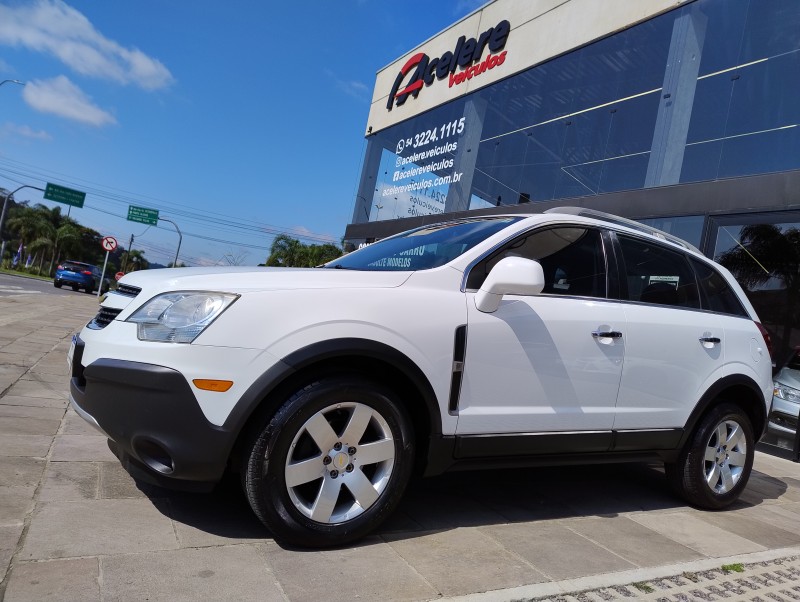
{"points": [[62, 194], [109, 243], [143, 215], [118, 275]]}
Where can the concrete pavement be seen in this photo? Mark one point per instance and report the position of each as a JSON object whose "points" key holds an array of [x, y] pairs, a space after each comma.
{"points": [[75, 526]]}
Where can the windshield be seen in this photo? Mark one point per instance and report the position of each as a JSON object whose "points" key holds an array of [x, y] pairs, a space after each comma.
{"points": [[423, 248]]}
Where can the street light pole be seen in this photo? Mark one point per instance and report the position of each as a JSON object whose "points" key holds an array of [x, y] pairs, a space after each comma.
{"points": [[12, 81], [180, 239]]}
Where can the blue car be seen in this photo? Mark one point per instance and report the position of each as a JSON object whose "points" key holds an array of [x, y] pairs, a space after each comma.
{"points": [[79, 276]]}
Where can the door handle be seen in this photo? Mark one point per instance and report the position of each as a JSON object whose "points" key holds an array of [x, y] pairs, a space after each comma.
{"points": [[606, 334], [713, 340]]}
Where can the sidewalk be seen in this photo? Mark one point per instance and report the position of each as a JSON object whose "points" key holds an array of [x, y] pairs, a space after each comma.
{"points": [[75, 526]]}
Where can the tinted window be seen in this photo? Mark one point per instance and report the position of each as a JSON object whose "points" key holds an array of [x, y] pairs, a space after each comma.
{"points": [[716, 292], [655, 274], [572, 260], [423, 248], [73, 266]]}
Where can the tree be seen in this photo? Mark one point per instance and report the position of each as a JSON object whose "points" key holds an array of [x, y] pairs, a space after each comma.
{"points": [[31, 226], [290, 252], [134, 261]]}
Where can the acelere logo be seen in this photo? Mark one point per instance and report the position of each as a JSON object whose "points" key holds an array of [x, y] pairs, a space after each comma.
{"points": [[468, 51]]}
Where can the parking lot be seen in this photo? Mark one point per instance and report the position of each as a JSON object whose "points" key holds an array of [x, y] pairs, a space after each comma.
{"points": [[75, 526]]}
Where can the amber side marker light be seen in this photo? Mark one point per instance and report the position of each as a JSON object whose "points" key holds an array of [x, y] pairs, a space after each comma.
{"points": [[207, 384]]}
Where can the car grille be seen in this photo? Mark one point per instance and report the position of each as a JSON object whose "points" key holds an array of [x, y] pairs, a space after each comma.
{"points": [[104, 317], [128, 290]]}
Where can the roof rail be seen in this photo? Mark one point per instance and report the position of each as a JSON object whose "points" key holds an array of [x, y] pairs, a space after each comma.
{"points": [[621, 221]]}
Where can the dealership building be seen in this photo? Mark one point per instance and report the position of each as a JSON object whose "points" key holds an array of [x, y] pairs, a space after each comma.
{"points": [[680, 114]]}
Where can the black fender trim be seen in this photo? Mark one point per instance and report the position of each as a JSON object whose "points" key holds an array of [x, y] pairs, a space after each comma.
{"points": [[152, 415], [714, 392], [328, 350]]}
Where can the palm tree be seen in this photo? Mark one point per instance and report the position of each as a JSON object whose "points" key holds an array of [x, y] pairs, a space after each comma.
{"points": [[285, 251], [68, 240], [134, 261], [30, 224]]}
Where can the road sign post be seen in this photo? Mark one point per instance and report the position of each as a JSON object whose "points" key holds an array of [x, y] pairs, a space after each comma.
{"points": [[62, 194], [143, 215], [109, 243]]}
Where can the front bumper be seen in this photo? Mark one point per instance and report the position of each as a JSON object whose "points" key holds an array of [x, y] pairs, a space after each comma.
{"points": [[153, 417], [783, 418]]}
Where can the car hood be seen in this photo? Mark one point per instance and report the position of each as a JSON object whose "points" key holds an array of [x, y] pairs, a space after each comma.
{"points": [[789, 377], [244, 279]]}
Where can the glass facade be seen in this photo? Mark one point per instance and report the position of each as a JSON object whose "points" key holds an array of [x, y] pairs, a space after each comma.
{"points": [[704, 92], [763, 253]]}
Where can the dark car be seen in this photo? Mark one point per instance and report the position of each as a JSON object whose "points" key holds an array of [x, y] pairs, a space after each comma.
{"points": [[79, 276]]}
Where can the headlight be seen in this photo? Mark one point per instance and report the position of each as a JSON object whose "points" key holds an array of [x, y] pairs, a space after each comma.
{"points": [[787, 393], [179, 317]]}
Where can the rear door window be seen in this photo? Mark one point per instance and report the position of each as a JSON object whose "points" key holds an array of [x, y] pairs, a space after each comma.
{"points": [[658, 275]]}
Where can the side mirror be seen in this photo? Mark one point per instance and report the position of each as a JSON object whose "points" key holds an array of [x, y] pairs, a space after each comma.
{"points": [[511, 276]]}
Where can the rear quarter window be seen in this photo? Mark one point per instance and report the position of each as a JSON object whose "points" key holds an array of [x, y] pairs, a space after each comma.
{"points": [[717, 295]]}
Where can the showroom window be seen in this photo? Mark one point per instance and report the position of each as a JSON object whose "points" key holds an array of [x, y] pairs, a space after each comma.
{"points": [[634, 110]]}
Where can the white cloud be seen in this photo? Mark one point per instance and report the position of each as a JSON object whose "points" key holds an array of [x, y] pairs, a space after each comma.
{"points": [[25, 131], [60, 96], [55, 28], [351, 87]]}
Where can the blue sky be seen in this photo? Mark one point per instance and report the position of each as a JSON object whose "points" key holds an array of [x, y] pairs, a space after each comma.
{"points": [[237, 120]]}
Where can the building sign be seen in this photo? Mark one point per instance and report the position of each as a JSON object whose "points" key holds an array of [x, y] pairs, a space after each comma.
{"points": [[466, 55]]}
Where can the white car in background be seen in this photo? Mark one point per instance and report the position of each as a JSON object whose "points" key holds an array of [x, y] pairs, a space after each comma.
{"points": [[783, 415], [563, 337]]}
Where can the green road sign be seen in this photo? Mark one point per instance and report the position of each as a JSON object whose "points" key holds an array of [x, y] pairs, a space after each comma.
{"points": [[62, 194], [143, 215]]}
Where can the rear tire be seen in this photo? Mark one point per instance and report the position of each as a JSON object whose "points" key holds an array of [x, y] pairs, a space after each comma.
{"points": [[713, 469], [331, 464]]}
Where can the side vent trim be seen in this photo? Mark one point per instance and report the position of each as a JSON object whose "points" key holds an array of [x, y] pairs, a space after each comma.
{"points": [[459, 352]]}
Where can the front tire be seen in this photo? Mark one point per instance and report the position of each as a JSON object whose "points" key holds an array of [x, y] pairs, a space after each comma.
{"points": [[331, 464], [57, 283], [714, 468]]}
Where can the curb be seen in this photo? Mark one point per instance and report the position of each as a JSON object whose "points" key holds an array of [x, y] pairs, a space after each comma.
{"points": [[623, 578]]}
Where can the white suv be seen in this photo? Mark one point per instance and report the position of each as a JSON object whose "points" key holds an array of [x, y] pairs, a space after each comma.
{"points": [[567, 336]]}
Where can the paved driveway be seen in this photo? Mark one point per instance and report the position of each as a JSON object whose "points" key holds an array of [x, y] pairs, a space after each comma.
{"points": [[75, 526]]}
